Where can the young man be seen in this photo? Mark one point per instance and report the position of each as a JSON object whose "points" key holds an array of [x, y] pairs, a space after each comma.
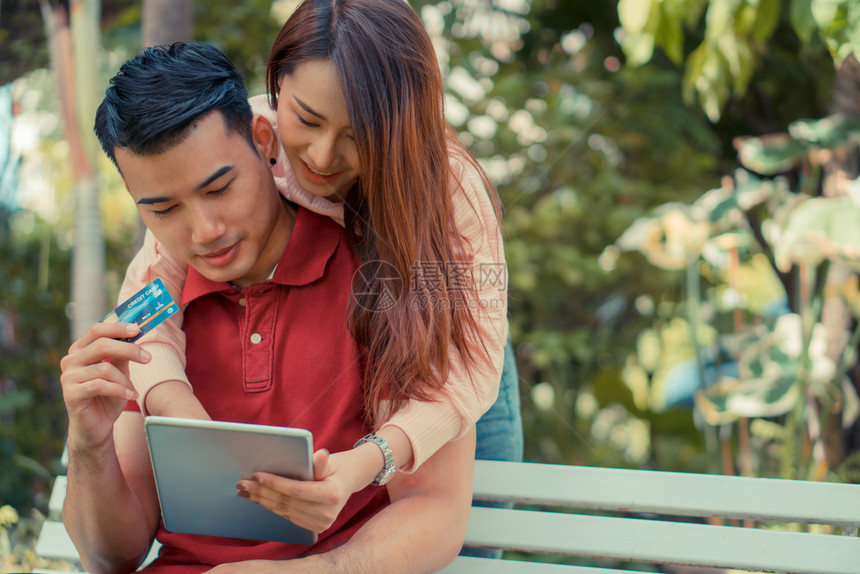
{"points": [[267, 342]]}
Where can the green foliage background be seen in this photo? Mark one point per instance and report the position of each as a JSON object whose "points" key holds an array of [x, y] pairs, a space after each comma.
{"points": [[33, 318]]}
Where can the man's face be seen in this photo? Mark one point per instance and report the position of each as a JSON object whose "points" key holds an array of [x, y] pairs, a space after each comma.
{"points": [[211, 201]]}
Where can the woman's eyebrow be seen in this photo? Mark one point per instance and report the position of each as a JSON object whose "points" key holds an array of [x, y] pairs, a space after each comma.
{"points": [[308, 109]]}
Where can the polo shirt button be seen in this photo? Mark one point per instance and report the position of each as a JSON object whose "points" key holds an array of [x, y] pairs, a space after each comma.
{"points": [[256, 338], [242, 302]]}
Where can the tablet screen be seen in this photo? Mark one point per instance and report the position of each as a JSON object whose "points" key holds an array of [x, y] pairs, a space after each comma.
{"points": [[198, 463]]}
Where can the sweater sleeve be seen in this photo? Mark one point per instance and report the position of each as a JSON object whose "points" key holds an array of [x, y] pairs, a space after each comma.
{"points": [[469, 392], [166, 344]]}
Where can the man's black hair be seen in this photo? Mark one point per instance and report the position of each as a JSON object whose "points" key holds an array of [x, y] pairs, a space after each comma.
{"points": [[157, 95]]}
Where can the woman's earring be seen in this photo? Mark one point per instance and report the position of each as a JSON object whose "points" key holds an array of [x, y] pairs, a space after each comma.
{"points": [[272, 161]]}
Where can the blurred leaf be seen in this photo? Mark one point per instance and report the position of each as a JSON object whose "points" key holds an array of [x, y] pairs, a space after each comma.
{"points": [[610, 389], [838, 22], [670, 36], [800, 15], [720, 17], [744, 194], [671, 237], [827, 133], [818, 229], [736, 38], [15, 400], [634, 14], [766, 19], [34, 466], [771, 154], [638, 48], [730, 399]]}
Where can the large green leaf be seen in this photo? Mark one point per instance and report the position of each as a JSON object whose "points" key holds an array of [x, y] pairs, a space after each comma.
{"points": [[838, 23], [670, 35], [771, 154], [744, 193], [818, 229], [830, 132], [730, 399], [800, 15], [768, 370], [634, 14], [671, 238], [719, 20]]}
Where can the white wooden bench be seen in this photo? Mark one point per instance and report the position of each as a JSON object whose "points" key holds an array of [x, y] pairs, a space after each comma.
{"points": [[637, 517]]}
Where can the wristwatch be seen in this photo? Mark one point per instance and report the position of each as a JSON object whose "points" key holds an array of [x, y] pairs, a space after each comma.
{"points": [[389, 469]]}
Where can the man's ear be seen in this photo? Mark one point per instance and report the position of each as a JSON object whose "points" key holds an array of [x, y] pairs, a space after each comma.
{"points": [[265, 137]]}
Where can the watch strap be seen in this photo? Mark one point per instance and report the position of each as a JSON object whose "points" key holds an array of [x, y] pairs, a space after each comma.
{"points": [[388, 469]]}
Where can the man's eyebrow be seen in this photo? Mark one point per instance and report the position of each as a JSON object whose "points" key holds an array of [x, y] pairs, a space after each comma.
{"points": [[152, 200], [214, 177], [308, 109]]}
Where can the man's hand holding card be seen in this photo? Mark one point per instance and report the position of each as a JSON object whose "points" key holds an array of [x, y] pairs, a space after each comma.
{"points": [[147, 308], [95, 379]]}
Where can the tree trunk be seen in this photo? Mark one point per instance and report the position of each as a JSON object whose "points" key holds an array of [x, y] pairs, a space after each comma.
{"points": [[74, 58], [836, 316], [167, 21], [88, 261]]}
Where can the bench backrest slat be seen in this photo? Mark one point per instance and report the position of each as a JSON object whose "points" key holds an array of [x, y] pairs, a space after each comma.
{"points": [[54, 542], [661, 541], [673, 493]]}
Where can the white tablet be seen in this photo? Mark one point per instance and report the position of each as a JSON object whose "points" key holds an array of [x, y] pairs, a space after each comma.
{"points": [[198, 463]]}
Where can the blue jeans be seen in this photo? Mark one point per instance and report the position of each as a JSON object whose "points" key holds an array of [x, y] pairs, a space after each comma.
{"points": [[500, 434]]}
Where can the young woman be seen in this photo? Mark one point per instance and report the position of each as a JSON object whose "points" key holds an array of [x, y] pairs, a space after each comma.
{"points": [[356, 94]]}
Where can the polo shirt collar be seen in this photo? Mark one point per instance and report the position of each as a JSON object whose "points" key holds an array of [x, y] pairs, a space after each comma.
{"points": [[313, 242]]}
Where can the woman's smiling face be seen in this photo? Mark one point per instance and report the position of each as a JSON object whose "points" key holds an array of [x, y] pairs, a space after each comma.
{"points": [[315, 130]]}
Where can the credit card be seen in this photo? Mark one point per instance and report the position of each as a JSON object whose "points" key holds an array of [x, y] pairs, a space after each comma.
{"points": [[149, 307]]}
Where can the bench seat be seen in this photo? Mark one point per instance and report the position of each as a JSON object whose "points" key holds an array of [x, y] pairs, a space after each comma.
{"points": [[636, 517]]}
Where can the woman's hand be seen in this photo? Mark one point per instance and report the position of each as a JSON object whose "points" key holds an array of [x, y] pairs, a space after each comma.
{"points": [[316, 504], [313, 505]]}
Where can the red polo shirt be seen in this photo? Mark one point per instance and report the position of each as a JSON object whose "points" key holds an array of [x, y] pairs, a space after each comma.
{"points": [[279, 353]]}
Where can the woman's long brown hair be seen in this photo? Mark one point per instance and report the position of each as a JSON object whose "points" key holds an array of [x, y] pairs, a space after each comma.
{"points": [[399, 213]]}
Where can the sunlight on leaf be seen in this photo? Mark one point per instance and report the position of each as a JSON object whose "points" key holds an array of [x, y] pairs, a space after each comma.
{"points": [[634, 14], [768, 370], [800, 14], [821, 228], [771, 154], [671, 239], [8, 515], [830, 132]]}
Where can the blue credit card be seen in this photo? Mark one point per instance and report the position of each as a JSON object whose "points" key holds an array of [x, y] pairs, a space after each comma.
{"points": [[149, 307]]}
